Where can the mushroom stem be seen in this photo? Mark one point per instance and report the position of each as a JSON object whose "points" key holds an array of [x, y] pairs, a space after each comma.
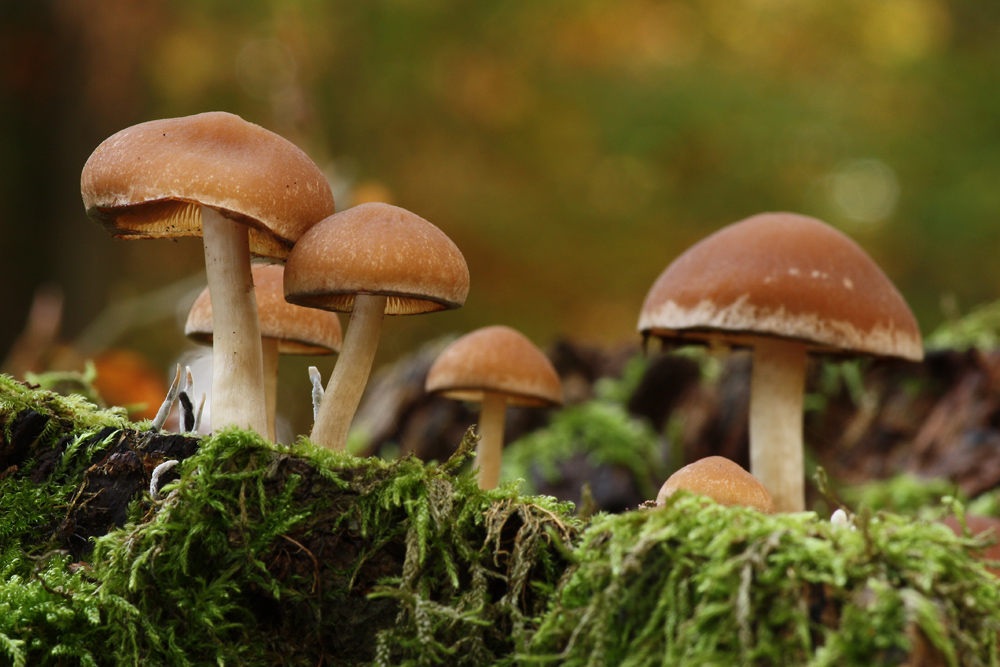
{"points": [[492, 417], [350, 374], [237, 361], [269, 347], [776, 392]]}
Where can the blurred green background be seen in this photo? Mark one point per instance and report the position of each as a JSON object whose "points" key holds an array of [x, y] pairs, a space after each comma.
{"points": [[571, 148]]}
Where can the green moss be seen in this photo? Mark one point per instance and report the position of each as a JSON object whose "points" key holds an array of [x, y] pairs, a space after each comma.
{"points": [[695, 583], [73, 413], [902, 494], [600, 430], [917, 496], [268, 555], [49, 613], [979, 328], [396, 563]]}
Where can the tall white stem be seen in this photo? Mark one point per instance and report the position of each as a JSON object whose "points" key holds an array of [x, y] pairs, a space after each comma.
{"points": [[350, 374], [492, 421], [237, 366], [269, 346], [776, 393]]}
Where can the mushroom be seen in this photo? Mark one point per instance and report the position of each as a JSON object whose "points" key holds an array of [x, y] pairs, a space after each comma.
{"points": [[495, 366], [284, 328], [722, 480], [784, 285], [244, 190], [371, 260]]}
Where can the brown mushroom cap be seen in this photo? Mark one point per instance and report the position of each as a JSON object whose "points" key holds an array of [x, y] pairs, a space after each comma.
{"points": [[721, 480], [148, 181], [495, 359], [783, 275], [376, 249], [298, 330]]}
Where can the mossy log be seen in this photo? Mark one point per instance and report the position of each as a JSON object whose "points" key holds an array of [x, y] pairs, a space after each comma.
{"points": [[258, 554]]}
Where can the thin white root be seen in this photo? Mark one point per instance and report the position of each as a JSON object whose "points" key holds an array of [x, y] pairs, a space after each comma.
{"points": [[168, 402], [317, 389], [154, 479]]}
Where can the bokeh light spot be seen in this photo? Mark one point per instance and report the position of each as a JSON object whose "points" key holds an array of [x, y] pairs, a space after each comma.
{"points": [[866, 191]]}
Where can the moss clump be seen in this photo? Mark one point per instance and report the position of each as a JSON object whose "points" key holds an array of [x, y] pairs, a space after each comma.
{"points": [[49, 612], [602, 432], [695, 583], [270, 555], [903, 494], [259, 554], [979, 329]]}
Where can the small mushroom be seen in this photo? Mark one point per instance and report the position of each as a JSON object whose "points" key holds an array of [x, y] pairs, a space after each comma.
{"points": [[241, 188], [371, 260], [784, 285], [495, 366], [721, 480], [284, 328]]}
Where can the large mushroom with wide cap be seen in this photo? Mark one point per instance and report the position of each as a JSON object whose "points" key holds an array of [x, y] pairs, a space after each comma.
{"points": [[371, 260], [284, 329], [244, 190], [784, 285], [494, 366]]}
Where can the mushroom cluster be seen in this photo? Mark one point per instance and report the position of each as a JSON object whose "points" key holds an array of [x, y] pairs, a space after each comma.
{"points": [[782, 284], [250, 193], [284, 329], [244, 190]]}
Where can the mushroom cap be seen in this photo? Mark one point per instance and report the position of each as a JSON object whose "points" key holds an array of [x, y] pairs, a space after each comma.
{"points": [[495, 359], [782, 275], [376, 249], [298, 330], [721, 480], [149, 180]]}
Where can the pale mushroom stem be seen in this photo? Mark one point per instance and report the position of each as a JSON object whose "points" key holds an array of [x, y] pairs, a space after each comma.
{"points": [[237, 361], [350, 374], [492, 418], [269, 346], [776, 392]]}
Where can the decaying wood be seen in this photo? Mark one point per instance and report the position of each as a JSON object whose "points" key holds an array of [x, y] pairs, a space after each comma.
{"points": [[939, 418]]}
